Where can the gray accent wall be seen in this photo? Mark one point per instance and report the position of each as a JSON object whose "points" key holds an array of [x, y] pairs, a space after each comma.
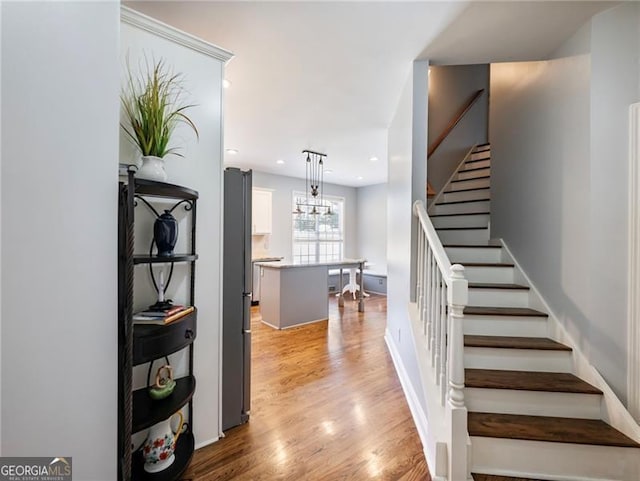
{"points": [[372, 226], [559, 139], [402, 132], [280, 242], [450, 87]]}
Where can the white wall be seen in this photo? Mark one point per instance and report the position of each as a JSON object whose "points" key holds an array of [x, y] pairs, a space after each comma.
{"points": [[59, 232], [399, 226], [450, 87], [279, 243], [200, 169], [371, 220], [559, 179]]}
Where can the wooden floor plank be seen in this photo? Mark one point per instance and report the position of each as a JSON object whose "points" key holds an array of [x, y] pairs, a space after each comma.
{"points": [[546, 428], [527, 381], [326, 405]]}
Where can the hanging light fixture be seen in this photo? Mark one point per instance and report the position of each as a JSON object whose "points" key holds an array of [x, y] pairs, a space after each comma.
{"points": [[314, 203]]}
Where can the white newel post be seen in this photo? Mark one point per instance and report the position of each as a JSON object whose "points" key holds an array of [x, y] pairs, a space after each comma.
{"points": [[457, 298]]}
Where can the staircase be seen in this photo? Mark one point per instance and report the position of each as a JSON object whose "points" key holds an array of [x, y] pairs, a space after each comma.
{"points": [[529, 415]]}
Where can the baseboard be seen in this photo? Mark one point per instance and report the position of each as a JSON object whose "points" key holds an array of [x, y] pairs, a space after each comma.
{"points": [[207, 442], [418, 414], [419, 417]]}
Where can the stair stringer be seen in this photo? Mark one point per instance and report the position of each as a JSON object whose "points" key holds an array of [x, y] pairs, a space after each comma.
{"points": [[437, 197], [612, 410]]}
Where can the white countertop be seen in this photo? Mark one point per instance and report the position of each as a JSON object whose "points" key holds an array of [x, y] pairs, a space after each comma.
{"points": [[266, 259], [290, 265]]}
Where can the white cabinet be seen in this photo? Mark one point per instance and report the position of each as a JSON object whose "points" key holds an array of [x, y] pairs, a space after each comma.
{"points": [[261, 212]]}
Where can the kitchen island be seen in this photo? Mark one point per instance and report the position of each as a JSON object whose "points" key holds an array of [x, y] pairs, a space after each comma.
{"points": [[296, 294]]}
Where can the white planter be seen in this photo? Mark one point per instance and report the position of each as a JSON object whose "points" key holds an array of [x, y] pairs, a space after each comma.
{"points": [[152, 169]]}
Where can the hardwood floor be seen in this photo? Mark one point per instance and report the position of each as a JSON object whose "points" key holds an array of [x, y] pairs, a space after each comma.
{"points": [[326, 405]]}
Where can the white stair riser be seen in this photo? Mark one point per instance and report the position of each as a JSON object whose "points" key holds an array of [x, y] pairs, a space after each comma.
{"points": [[533, 403], [498, 297], [475, 254], [517, 359], [472, 174], [471, 236], [477, 164], [461, 221], [465, 208], [505, 326], [558, 461], [466, 195], [480, 155], [499, 275], [469, 184]]}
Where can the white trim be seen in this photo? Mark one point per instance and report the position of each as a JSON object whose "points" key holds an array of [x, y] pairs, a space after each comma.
{"points": [[209, 441], [455, 172], [156, 27], [633, 347], [418, 414]]}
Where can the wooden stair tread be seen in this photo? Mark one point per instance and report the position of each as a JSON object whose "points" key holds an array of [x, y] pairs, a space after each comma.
{"points": [[484, 285], [546, 428], [475, 178], [475, 246], [512, 342], [466, 190], [503, 311], [485, 264], [461, 228], [494, 477], [459, 214], [477, 160], [488, 144], [461, 201], [527, 381], [473, 169]]}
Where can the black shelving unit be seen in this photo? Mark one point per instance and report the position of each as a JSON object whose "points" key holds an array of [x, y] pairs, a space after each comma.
{"points": [[139, 344]]}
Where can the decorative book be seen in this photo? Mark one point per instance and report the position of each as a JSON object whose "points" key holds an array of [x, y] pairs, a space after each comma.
{"points": [[161, 317]]}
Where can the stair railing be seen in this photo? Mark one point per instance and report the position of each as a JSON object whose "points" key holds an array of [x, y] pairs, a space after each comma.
{"points": [[455, 120], [441, 296]]}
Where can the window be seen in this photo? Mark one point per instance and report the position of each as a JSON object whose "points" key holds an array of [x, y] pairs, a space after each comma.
{"points": [[319, 237]]}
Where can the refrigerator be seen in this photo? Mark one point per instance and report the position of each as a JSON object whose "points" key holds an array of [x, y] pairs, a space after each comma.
{"points": [[236, 299]]}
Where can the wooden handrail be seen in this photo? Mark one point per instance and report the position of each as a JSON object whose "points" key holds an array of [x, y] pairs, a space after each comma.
{"points": [[456, 119]]}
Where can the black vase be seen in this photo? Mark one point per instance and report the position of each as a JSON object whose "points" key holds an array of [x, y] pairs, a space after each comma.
{"points": [[165, 234]]}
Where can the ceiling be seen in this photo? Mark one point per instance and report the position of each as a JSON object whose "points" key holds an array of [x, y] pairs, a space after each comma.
{"points": [[327, 76]]}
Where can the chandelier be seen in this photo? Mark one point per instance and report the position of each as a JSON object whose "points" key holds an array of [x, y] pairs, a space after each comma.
{"points": [[314, 203]]}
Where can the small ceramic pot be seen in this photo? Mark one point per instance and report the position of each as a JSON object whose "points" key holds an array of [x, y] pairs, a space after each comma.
{"points": [[152, 169], [158, 450]]}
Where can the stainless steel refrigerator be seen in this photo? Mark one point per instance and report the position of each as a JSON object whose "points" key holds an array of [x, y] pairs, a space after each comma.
{"points": [[236, 307]]}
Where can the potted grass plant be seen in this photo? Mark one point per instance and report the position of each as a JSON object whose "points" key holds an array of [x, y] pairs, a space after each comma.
{"points": [[153, 104]]}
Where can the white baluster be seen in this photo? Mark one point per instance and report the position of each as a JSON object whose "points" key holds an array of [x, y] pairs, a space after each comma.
{"points": [[420, 266], [427, 300], [436, 322], [442, 373]]}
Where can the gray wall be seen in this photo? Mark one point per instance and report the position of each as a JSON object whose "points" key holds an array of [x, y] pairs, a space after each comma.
{"points": [[559, 179], [60, 105], [372, 226], [399, 224], [279, 243], [450, 87]]}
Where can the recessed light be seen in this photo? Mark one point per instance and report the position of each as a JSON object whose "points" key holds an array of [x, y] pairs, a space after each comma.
{"points": [[374, 159], [226, 83], [231, 151], [280, 161], [359, 177], [328, 171]]}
